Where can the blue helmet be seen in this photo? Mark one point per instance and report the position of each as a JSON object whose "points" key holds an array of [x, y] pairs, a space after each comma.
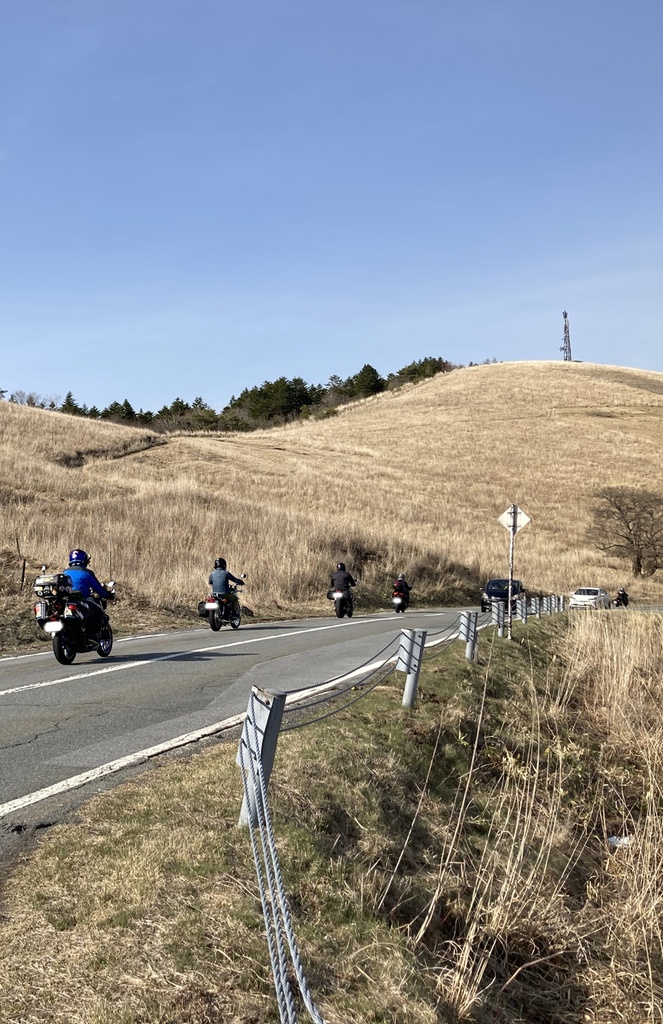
{"points": [[78, 557]]}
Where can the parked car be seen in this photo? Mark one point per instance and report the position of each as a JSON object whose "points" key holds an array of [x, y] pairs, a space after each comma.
{"points": [[498, 590], [589, 597]]}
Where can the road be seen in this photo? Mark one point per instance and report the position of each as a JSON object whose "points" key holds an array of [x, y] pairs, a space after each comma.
{"points": [[62, 726]]}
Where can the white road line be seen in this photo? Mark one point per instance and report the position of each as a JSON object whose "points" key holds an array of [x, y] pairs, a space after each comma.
{"points": [[172, 657], [76, 781], [111, 767], [120, 640], [152, 636]]}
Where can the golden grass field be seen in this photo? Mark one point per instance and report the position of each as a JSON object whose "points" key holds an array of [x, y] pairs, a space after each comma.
{"points": [[411, 480]]}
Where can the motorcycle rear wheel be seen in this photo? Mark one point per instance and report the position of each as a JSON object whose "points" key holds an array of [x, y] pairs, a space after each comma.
{"points": [[339, 608], [215, 619], [64, 647], [105, 641]]}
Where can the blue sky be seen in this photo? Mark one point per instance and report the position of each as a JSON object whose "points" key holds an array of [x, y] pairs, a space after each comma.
{"points": [[198, 195]]}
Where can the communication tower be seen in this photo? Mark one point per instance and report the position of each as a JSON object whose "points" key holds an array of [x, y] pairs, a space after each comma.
{"points": [[566, 347]]}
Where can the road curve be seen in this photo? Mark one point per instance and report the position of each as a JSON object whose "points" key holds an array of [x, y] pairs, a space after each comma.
{"points": [[60, 725]]}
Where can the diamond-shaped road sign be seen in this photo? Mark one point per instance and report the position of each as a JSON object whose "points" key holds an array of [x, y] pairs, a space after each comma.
{"points": [[506, 519]]}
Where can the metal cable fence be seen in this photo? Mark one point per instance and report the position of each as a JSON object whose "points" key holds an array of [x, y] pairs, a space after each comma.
{"points": [[365, 690], [262, 725], [275, 905]]}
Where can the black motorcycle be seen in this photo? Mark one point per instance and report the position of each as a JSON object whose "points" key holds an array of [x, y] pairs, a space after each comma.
{"points": [[222, 609], [343, 602], [65, 614]]}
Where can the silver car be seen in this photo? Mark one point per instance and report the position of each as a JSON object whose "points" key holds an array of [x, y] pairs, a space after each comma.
{"points": [[589, 597]]}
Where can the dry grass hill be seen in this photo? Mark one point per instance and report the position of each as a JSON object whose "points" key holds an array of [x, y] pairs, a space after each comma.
{"points": [[411, 480], [493, 856]]}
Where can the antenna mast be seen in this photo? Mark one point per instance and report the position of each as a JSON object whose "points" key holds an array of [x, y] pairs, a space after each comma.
{"points": [[566, 347]]}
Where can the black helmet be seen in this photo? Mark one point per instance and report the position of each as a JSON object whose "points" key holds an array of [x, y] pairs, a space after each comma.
{"points": [[220, 563], [79, 557], [341, 567]]}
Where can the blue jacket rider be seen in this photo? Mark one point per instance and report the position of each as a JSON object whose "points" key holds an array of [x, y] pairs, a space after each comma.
{"points": [[219, 577], [81, 577], [84, 580]]}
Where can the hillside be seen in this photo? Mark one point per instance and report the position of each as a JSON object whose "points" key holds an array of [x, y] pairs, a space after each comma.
{"points": [[412, 480]]}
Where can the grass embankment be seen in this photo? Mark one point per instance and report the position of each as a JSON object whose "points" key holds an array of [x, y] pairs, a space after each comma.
{"points": [[412, 481], [450, 863]]}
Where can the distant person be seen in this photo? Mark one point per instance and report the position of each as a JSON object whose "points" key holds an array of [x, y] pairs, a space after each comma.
{"points": [[622, 597], [342, 579], [219, 579], [401, 586], [84, 581]]}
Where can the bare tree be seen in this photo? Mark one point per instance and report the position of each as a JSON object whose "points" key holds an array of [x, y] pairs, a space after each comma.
{"points": [[628, 523]]}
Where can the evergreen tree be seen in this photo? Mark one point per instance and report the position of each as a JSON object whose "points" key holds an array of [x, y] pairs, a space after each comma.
{"points": [[368, 382], [70, 405]]}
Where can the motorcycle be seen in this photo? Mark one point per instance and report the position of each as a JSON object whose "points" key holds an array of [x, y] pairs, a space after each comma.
{"points": [[400, 600], [343, 602], [222, 609], [64, 614], [621, 601]]}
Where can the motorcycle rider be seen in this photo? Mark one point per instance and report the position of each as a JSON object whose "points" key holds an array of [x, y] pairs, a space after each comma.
{"points": [[401, 586], [622, 597], [219, 579], [343, 580], [84, 581]]}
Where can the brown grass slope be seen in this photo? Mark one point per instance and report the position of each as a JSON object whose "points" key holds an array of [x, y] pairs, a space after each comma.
{"points": [[412, 480]]}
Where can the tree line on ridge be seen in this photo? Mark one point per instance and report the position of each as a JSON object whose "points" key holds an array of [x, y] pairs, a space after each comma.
{"points": [[269, 404]]}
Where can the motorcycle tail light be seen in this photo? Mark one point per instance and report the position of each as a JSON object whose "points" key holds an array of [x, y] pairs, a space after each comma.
{"points": [[72, 607]]}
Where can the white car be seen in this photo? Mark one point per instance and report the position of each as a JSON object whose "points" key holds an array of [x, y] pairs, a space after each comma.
{"points": [[589, 597]]}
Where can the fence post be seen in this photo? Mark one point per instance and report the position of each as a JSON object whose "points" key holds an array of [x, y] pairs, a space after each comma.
{"points": [[265, 711], [465, 632], [415, 647], [522, 610], [562, 602], [537, 607], [497, 616], [474, 625], [468, 631]]}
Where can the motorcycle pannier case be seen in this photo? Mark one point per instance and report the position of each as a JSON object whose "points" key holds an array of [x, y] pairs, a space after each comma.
{"points": [[202, 610], [59, 580]]}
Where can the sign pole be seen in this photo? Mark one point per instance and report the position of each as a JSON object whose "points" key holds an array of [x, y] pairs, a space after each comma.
{"points": [[512, 538], [513, 520]]}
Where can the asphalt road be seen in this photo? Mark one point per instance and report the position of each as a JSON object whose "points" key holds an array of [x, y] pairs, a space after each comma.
{"points": [[61, 726]]}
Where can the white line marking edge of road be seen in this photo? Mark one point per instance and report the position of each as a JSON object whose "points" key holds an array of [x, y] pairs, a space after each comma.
{"points": [[130, 760]]}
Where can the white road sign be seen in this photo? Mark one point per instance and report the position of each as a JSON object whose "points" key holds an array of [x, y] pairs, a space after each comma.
{"points": [[506, 519]]}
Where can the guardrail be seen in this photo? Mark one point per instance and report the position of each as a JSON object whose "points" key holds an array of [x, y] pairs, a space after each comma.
{"points": [[266, 718]]}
